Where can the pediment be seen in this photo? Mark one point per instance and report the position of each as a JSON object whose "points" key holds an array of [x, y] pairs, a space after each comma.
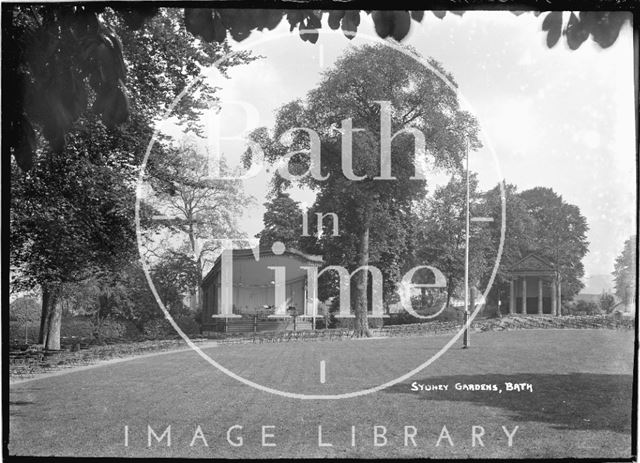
{"points": [[532, 263]]}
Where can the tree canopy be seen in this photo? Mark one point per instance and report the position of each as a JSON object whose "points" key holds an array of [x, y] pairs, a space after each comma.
{"points": [[72, 213], [62, 54], [559, 234], [349, 112], [196, 209], [282, 222], [439, 234], [625, 272]]}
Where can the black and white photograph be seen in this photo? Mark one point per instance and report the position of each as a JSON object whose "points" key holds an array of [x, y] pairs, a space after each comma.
{"points": [[291, 229]]}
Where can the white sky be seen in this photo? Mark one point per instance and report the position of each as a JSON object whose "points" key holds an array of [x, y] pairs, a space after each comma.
{"points": [[557, 118]]}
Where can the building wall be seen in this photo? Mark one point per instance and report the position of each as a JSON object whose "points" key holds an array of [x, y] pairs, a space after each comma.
{"points": [[247, 299]]}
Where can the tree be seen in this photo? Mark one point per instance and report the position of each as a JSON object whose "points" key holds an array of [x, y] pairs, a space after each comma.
{"points": [[24, 310], [124, 295], [198, 208], [66, 225], [72, 214], [519, 227], [282, 222], [559, 235], [625, 272], [371, 203], [66, 58], [607, 302], [440, 234], [99, 298], [79, 45]]}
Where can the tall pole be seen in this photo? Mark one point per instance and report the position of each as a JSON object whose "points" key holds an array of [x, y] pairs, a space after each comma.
{"points": [[465, 339]]}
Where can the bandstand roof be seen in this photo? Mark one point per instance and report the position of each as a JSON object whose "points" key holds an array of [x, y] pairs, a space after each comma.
{"points": [[248, 272]]}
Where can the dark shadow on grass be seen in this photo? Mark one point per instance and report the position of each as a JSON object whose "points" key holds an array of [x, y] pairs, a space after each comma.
{"points": [[15, 408], [20, 398], [19, 402], [579, 401]]}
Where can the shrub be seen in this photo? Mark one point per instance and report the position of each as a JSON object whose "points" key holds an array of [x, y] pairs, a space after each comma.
{"points": [[111, 329], [187, 324], [25, 310], [402, 318], [348, 323], [377, 322], [17, 331], [119, 329], [607, 302], [590, 308], [332, 322], [580, 308], [450, 314], [79, 327], [158, 328], [490, 311], [405, 318]]}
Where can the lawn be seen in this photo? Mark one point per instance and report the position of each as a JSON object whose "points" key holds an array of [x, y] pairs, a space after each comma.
{"points": [[579, 404]]}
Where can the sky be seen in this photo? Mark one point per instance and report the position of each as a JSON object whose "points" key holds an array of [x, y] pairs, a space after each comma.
{"points": [[549, 117]]}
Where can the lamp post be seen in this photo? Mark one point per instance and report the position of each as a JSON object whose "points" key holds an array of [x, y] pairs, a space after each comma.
{"points": [[465, 338]]}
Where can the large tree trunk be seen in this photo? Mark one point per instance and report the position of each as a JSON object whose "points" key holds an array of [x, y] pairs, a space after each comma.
{"points": [[197, 292], [472, 300], [361, 323], [51, 316], [103, 303], [43, 314], [449, 291]]}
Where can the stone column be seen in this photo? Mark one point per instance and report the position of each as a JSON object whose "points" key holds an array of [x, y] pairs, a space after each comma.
{"points": [[539, 296], [524, 295], [512, 296], [312, 300], [280, 290], [226, 286], [559, 297], [554, 299]]}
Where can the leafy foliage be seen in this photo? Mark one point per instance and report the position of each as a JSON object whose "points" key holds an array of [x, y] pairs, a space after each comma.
{"points": [[607, 302], [580, 308], [440, 234], [125, 295], [603, 27], [282, 222], [67, 55], [559, 235], [70, 57], [198, 210], [24, 309], [373, 213], [625, 272], [72, 214], [518, 234]]}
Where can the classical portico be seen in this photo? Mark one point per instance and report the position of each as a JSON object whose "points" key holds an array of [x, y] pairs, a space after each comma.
{"points": [[533, 287]]}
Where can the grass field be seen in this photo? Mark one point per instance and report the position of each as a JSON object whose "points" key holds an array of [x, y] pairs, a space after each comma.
{"points": [[579, 406]]}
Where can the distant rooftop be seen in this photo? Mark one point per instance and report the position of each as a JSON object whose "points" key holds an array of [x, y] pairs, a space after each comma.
{"points": [[595, 284]]}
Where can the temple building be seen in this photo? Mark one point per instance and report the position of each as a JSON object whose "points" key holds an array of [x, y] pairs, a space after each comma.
{"points": [[533, 287]]}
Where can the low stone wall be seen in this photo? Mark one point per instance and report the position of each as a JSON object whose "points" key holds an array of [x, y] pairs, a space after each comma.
{"points": [[513, 322], [28, 361], [32, 360]]}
